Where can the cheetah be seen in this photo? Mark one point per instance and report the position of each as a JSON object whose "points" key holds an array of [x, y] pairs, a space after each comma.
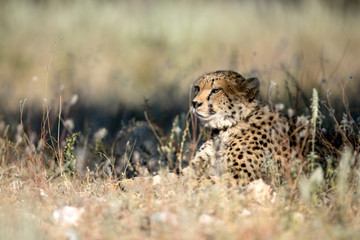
{"points": [[246, 134]]}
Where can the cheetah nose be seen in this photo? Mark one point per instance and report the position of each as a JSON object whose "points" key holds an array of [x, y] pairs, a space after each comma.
{"points": [[196, 104]]}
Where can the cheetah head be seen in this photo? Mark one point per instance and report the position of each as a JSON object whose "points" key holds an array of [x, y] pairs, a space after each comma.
{"points": [[223, 98]]}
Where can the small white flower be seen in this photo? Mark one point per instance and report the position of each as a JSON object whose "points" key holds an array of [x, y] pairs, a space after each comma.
{"points": [[266, 109], [291, 112], [100, 134], [43, 193], [74, 99], [205, 219], [303, 133], [67, 215], [298, 217], [302, 120], [136, 156], [156, 180], [245, 213], [164, 217], [177, 130], [34, 79], [279, 107], [69, 123]]}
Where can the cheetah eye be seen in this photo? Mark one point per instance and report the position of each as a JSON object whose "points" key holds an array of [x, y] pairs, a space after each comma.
{"points": [[215, 91], [196, 90]]}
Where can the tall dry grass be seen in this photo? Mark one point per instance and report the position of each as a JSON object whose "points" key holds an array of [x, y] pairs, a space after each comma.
{"points": [[56, 183], [120, 52]]}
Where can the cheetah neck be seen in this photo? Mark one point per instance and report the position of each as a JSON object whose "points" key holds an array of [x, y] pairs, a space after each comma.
{"points": [[244, 116], [259, 109], [250, 110]]}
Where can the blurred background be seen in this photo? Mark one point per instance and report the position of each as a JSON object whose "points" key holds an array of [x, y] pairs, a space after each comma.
{"points": [[116, 59]]}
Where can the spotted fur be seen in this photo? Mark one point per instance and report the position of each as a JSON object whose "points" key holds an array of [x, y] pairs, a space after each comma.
{"points": [[247, 135]]}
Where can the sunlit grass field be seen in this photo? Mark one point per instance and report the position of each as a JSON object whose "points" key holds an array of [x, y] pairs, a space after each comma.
{"points": [[126, 52], [94, 123]]}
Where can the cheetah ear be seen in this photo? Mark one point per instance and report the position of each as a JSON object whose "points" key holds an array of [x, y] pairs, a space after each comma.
{"points": [[250, 87]]}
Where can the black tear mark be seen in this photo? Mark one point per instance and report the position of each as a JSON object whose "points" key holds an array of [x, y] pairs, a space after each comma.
{"points": [[227, 96]]}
